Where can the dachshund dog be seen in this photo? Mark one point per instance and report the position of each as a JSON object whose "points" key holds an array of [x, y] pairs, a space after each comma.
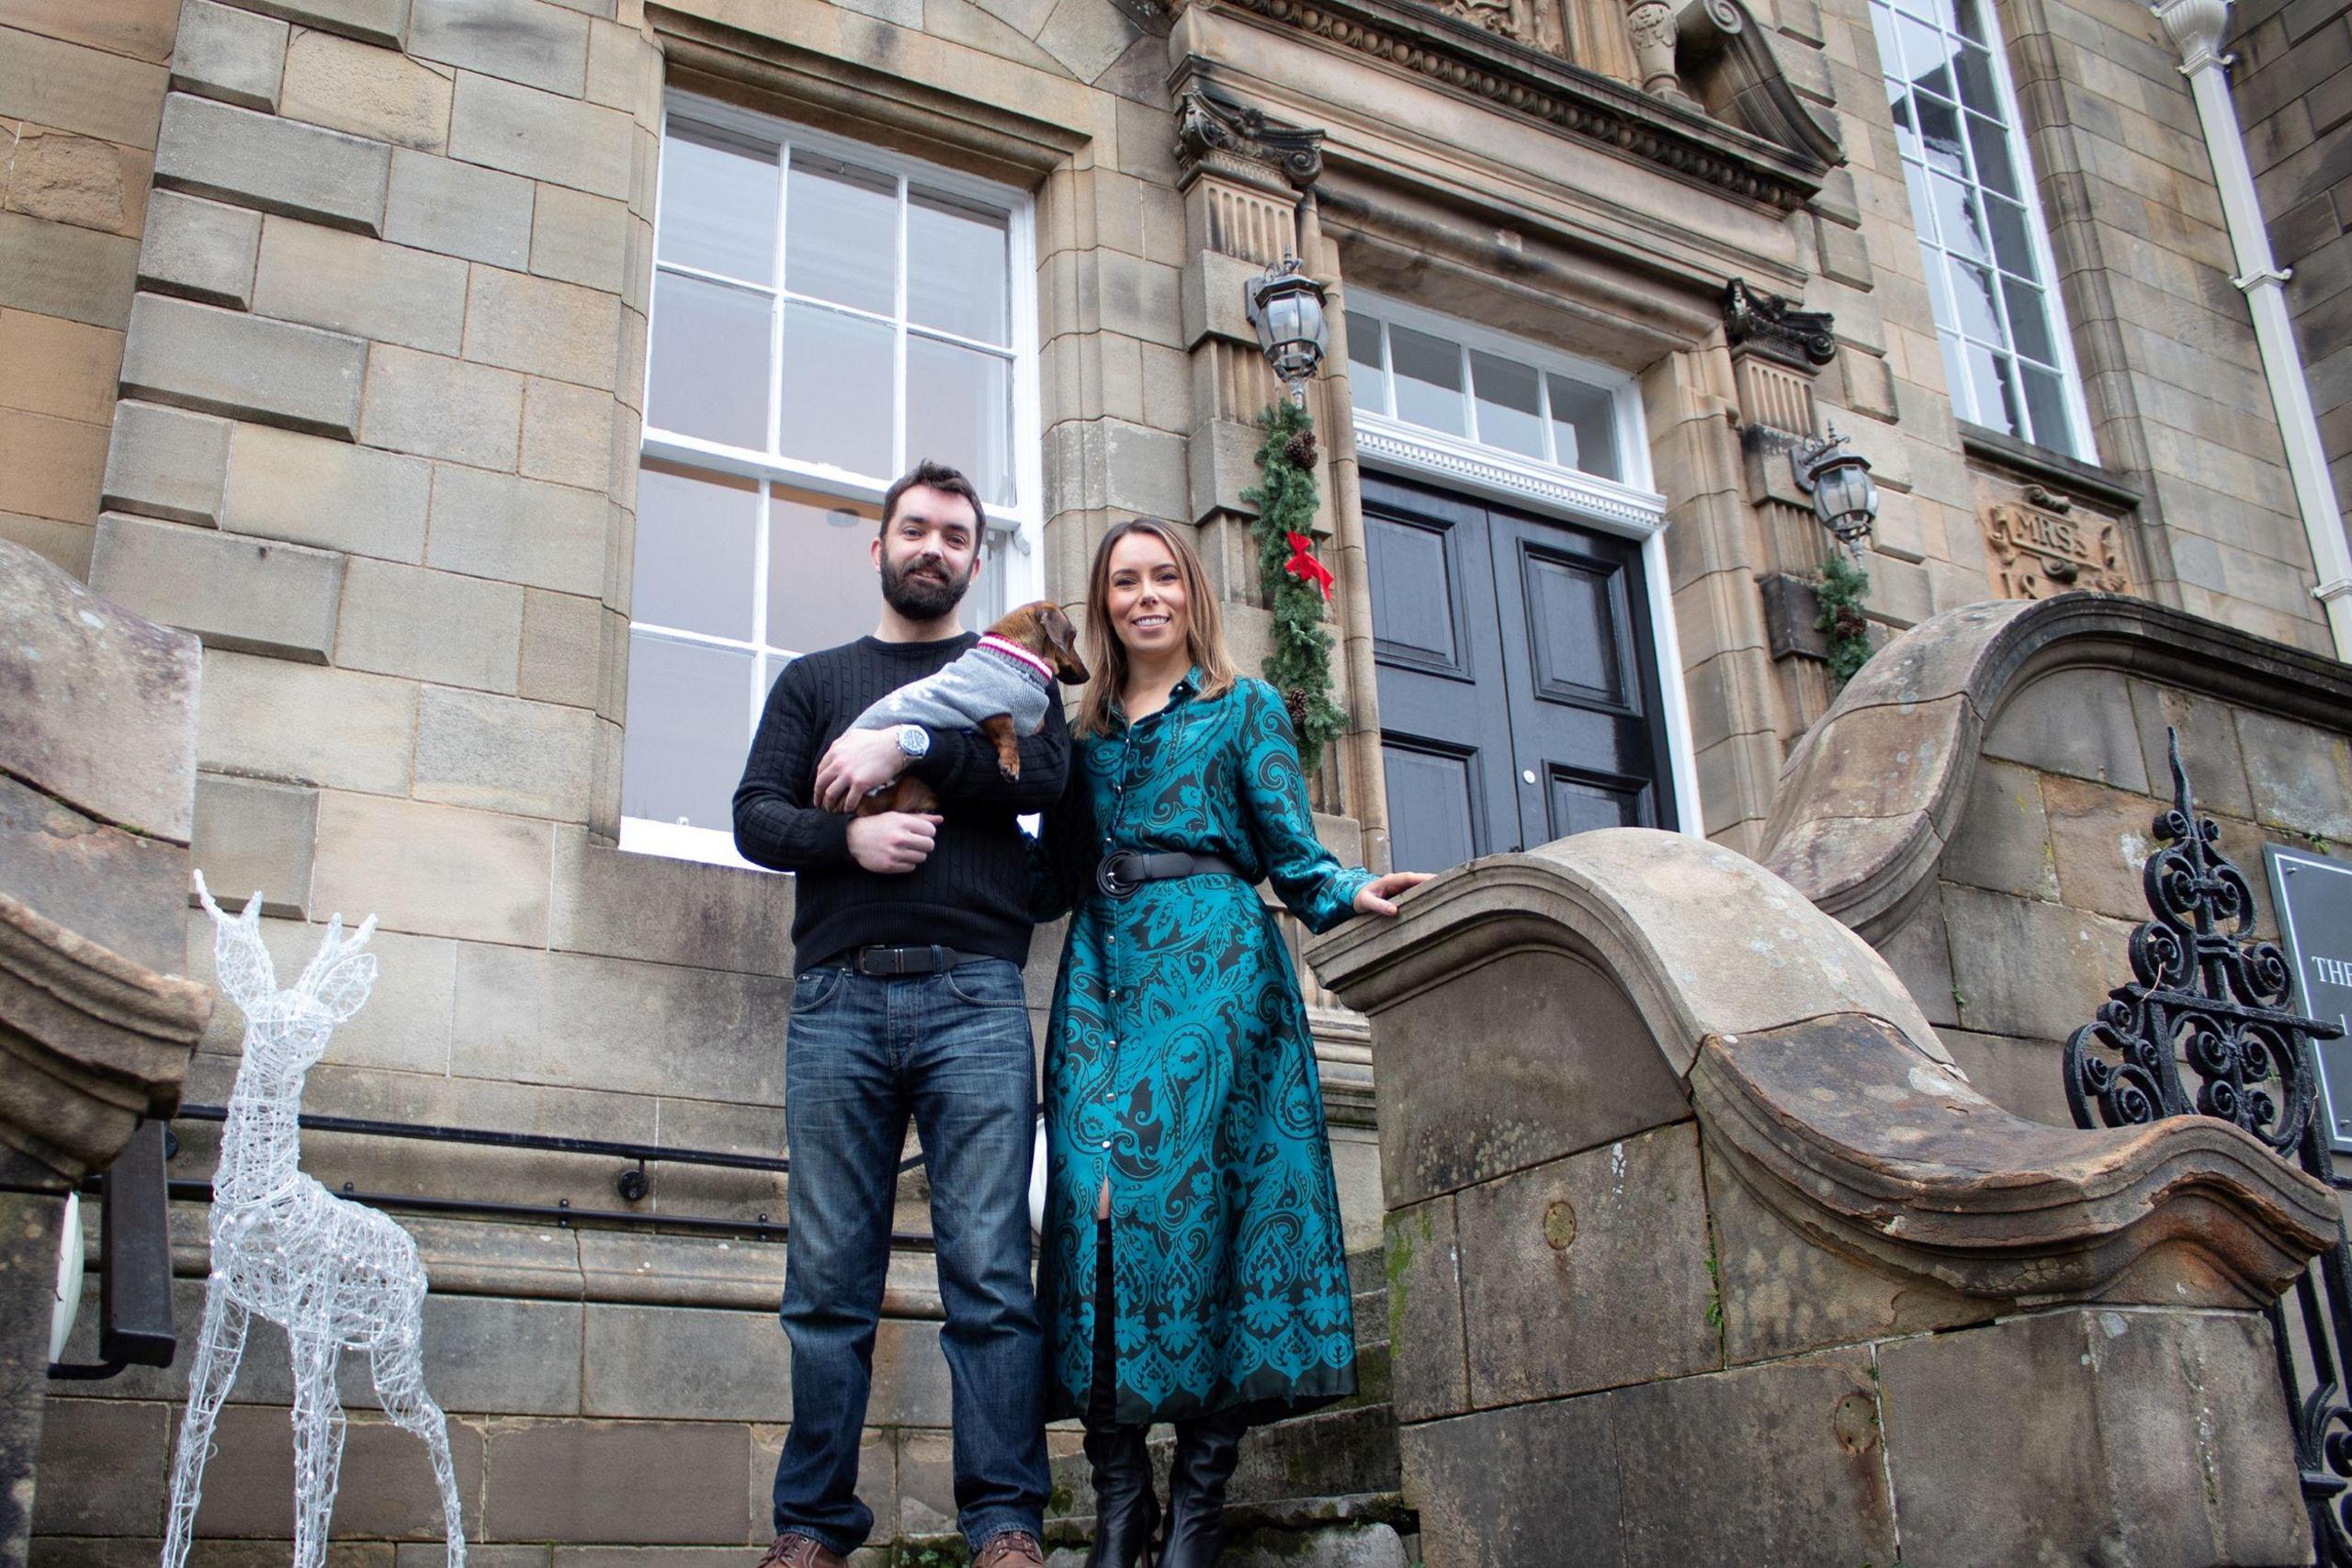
{"points": [[1000, 686]]}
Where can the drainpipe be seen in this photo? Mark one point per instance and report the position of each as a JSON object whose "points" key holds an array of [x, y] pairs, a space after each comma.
{"points": [[2196, 28]]}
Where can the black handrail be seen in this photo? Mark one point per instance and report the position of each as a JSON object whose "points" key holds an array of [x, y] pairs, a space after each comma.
{"points": [[559, 1213], [368, 1127]]}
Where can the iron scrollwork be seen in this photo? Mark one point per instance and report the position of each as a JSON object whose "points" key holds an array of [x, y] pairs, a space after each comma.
{"points": [[2207, 992], [2204, 991]]}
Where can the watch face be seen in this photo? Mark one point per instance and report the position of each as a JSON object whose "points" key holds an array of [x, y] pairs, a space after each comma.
{"points": [[913, 740]]}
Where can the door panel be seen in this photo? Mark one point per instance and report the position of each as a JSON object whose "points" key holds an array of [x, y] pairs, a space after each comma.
{"points": [[1517, 684], [1438, 823], [1445, 726], [1579, 676]]}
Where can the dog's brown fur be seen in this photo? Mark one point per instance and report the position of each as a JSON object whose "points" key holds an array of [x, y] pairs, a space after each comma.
{"points": [[1043, 630]]}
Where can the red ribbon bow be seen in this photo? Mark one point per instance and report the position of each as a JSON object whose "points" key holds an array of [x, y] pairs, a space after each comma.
{"points": [[1305, 567]]}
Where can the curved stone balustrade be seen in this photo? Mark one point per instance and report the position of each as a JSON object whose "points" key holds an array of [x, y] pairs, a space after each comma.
{"points": [[1813, 1072], [1875, 791], [1675, 1168]]}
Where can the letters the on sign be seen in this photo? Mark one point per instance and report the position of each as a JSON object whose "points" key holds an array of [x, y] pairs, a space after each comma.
{"points": [[2312, 893]]}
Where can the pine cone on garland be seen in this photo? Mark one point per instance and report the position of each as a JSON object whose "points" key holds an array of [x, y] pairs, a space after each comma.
{"points": [[1850, 623], [1295, 702], [1299, 450]]}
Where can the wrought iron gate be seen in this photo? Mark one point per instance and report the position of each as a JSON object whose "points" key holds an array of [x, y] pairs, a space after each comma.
{"points": [[2207, 994]]}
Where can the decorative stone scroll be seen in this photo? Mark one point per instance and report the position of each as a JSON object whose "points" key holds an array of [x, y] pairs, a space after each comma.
{"points": [[1772, 326], [1214, 134], [2041, 549]]}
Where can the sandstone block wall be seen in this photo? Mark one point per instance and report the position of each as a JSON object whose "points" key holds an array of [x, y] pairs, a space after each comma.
{"points": [[2035, 896], [2293, 89]]}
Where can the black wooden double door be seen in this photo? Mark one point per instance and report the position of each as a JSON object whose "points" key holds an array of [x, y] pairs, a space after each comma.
{"points": [[1518, 677]]}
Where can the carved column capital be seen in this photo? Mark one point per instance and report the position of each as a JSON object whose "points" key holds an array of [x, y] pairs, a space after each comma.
{"points": [[1215, 134], [1769, 325]]}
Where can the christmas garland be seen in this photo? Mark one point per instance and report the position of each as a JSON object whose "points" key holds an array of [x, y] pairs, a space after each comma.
{"points": [[1839, 591], [1297, 586]]}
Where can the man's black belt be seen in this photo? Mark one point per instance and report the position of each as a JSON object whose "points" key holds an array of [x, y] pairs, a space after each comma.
{"points": [[1121, 872], [884, 962]]}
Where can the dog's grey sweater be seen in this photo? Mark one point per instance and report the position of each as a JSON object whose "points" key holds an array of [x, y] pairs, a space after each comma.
{"points": [[976, 685]]}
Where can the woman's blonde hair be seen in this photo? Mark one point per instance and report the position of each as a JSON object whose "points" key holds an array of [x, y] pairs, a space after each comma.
{"points": [[1107, 656]]}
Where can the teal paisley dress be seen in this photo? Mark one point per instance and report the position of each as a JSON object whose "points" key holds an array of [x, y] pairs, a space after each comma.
{"points": [[1179, 1066]]}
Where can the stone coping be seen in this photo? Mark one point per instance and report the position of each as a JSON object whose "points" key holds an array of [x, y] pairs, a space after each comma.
{"points": [[1876, 789], [1818, 1080], [93, 1042]]}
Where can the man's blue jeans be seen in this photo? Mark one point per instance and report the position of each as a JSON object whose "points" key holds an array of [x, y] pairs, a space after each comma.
{"points": [[953, 1050]]}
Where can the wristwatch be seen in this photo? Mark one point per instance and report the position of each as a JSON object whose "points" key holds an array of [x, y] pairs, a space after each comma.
{"points": [[914, 743]]}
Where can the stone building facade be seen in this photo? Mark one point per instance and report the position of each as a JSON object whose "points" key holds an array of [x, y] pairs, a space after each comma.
{"points": [[490, 385]]}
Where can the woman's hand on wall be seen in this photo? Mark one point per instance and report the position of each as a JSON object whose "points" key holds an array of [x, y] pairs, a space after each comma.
{"points": [[1378, 896]]}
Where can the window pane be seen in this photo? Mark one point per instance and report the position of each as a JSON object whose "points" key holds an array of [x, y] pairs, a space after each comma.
{"points": [[718, 204], [2028, 323], [822, 589], [1971, 297], [2045, 403], [837, 389], [958, 257], [1915, 180], [1974, 69], [1365, 371], [841, 233], [695, 537], [1996, 400], [708, 373], [1956, 377], [1991, 145], [1584, 428], [1926, 56], [689, 729], [1969, 21], [1906, 136], [2011, 247], [1959, 223], [1429, 380], [1940, 135], [1511, 409], [959, 410]]}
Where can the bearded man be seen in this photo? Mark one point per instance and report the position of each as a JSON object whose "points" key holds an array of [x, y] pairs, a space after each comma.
{"points": [[908, 932]]}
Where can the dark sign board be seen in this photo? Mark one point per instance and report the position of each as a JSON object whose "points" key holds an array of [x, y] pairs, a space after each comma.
{"points": [[2314, 895]]}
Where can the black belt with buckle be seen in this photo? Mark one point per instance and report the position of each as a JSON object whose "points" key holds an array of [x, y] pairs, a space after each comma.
{"points": [[1121, 872], [881, 962]]}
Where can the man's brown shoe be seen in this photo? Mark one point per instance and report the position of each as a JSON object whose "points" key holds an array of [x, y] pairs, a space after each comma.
{"points": [[793, 1549], [1013, 1549]]}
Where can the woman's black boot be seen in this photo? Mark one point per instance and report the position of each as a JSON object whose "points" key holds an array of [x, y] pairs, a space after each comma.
{"points": [[1207, 1451], [1126, 1511]]}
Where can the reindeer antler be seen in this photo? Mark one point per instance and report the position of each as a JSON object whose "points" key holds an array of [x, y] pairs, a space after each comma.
{"points": [[339, 975], [241, 962]]}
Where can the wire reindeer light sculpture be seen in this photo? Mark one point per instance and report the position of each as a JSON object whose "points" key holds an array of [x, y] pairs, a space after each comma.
{"points": [[331, 1272]]}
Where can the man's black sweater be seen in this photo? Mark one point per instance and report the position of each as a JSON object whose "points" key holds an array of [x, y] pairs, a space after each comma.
{"points": [[972, 892]]}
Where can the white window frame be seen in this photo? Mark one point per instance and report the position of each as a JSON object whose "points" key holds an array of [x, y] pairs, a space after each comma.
{"points": [[1932, 252], [1627, 507], [1015, 532]]}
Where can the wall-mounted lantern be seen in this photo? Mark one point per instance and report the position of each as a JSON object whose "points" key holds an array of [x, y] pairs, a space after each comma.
{"points": [[1286, 307], [1845, 497]]}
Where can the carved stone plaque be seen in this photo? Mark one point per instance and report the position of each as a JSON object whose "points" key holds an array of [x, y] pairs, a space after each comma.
{"points": [[2037, 553]]}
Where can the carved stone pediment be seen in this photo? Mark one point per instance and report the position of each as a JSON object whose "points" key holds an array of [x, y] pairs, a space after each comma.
{"points": [[1726, 60], [1515, 55]]}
